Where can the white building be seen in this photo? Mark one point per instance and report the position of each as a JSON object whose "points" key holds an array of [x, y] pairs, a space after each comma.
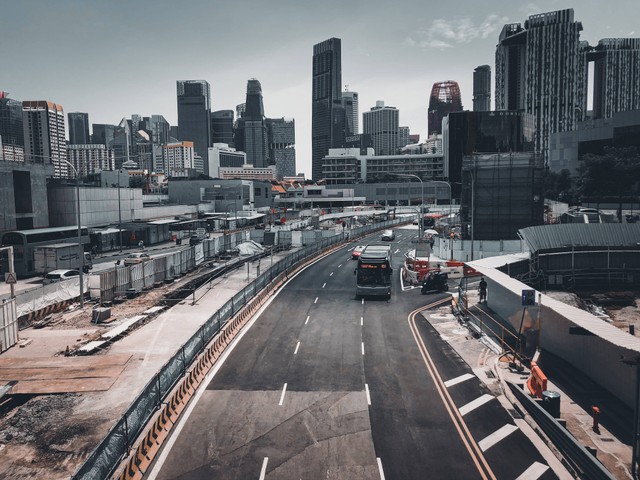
{"points": [[222, 155], [44, 135], [90, 158], [177, 157]]}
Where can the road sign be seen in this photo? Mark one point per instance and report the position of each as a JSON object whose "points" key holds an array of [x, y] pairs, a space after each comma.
{"points": [[528, 298], [10, 277]]}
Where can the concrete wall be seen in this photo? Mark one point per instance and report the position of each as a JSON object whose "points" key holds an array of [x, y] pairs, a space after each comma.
{"points": [[598, 356], [37, 174]]}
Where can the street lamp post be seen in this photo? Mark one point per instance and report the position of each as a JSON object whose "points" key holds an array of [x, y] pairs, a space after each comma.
{"points": [[119, 214], [80, 247], [420, 221]]}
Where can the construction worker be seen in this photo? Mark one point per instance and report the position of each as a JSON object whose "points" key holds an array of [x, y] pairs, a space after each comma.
{"points": [[482, 288]]}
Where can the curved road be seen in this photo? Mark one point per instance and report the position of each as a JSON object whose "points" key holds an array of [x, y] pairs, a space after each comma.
{"points": [[326, 386]]}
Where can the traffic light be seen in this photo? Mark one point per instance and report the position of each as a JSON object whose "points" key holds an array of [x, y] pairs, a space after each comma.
{"points": [[528, 298]]}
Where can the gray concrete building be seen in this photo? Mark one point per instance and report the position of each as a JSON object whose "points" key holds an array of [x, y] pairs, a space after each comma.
{"points": [[224, 194], [23, 195], [382, 123]]}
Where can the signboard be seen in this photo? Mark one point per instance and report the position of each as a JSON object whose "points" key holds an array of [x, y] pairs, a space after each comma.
{"points": [[10, 277], [528, 298]]}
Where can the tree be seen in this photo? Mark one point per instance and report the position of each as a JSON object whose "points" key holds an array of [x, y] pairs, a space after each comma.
{"points": [[559, 186], [616, 172]]}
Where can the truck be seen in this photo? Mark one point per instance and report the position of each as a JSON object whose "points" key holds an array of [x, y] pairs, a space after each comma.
{"points": [[61, 256]]}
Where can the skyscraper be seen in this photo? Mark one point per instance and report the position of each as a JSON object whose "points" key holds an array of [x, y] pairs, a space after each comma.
{"points": [[194, 114], [11, 129], [350, 105], [383, 124], [251, 129], [326, 103], [103, 133], [78, 128], [542, 70], [159, 128], [282, 151], [222, 127], [44, 135], [482, 89], [444, 99], [616, 76]]}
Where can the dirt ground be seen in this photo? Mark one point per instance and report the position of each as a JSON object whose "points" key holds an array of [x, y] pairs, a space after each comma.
{"points": [[621, 309], [48, 436]]}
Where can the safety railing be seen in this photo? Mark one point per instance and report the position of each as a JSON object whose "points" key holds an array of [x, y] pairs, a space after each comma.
{"points": [[576, 454]]}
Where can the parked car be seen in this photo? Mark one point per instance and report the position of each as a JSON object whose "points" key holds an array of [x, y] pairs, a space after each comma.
{"points": [[60, 275], [388, 235], [135, 258], [357, 251]]}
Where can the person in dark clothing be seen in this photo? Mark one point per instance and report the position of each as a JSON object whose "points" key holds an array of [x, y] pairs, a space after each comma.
{"points": [[483, 290]]}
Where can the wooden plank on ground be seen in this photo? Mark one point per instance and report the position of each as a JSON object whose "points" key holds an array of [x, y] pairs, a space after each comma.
{"points": [[56, 362], [63, 386], [106, 371]]}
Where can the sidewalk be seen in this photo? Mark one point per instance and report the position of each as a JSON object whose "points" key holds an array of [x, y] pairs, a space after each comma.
{"points": [[612, 442]]}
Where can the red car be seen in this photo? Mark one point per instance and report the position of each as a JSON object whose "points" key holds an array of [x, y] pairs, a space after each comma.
{"points": [[357, 251]]}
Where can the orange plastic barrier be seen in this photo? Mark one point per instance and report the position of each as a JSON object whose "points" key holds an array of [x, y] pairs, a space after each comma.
{"points": [[537, 382]]}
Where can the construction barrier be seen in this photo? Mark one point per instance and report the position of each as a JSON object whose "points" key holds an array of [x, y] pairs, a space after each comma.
{"points": [[537, 382]]}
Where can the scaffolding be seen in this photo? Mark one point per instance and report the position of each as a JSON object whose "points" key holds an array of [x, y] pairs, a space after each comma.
{"points": [[501, 193]]}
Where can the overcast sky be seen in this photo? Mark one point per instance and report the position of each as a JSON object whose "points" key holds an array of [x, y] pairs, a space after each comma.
{"points": [[115, 58]]}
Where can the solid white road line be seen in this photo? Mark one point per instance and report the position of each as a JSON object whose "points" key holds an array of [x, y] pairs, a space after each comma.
{"points": [[475, 404], [380, 468], [324, 284], [362, 344], [263, 471], [296, 350], [490, 440], [460, 379], [284, 389], [536, 470], [366, 390], [307, 320], [316, 300]]}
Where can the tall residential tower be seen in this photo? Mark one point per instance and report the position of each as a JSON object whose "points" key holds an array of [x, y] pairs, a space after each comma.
{"points": [[44, 136], [482, 89], [541, 68], [616, 76]]}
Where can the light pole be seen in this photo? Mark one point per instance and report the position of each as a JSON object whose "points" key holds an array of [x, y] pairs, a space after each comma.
{"points": [[80, 247], [119, 214], [421, 199]]}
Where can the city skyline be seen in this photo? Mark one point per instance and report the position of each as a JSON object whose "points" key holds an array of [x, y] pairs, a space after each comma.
{"points": [[421, 45]]}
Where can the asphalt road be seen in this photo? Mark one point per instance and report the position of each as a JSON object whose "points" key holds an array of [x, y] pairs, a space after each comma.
{"points": [[327, 386]]}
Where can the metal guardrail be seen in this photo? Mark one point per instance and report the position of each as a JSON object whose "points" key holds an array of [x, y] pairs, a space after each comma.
{"points": [[575, 453], [106, 457]]}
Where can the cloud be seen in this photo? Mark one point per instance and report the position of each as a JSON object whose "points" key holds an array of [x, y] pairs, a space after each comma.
{"points": [[448, 33]]}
